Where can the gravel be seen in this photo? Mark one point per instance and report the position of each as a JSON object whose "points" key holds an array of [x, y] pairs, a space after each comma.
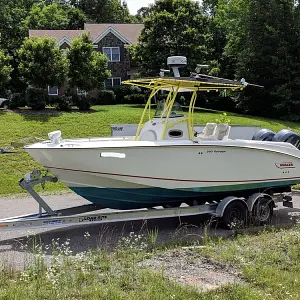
{"points": [[187, 268]]}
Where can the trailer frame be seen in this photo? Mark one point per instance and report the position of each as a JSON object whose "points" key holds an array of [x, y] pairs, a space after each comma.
{"points": [[80, 215]]}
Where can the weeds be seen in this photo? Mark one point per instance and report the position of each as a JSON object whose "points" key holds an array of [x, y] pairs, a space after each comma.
{"points": [[269, 262]]}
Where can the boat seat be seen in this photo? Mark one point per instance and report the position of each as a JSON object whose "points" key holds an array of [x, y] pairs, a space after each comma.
{"points": [[222, 132], [208, 130]]}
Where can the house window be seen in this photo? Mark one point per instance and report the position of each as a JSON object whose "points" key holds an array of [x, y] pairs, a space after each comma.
{"points": [[81, 92], [111, 82], [112, 53], [52, 90]]}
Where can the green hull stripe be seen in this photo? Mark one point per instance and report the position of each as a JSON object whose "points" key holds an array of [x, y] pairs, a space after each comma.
{"points": [[243, 186]]}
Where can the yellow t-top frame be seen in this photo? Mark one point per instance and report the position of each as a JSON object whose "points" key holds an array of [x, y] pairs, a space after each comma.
{"points": [[174, 86]]}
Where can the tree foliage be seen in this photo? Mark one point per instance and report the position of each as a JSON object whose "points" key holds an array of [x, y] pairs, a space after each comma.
{"points": [[88, 68], [270, 57], [143, 13], [5, 68], [42, 63], [105, 11], [12, 29], [210, 6], [174, 27], [54, 16]]}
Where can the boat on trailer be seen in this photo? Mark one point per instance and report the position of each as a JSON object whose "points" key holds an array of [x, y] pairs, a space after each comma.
{"points": [[167, 163]]}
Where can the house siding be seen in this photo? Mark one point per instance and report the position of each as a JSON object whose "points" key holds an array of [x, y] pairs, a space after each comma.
{"points": [[118, 69]]}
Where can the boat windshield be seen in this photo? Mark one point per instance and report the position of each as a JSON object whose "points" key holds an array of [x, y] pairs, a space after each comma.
{"points": [[162, 111]]}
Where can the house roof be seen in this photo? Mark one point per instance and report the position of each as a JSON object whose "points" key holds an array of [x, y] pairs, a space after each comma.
{"points": [[128, 33], [61, 36]]}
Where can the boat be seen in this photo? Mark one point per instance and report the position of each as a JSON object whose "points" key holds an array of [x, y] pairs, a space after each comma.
{"points": [[167, 162]]}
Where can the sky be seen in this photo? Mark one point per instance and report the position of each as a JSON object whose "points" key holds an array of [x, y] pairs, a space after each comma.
{"points": [[134, 5]]}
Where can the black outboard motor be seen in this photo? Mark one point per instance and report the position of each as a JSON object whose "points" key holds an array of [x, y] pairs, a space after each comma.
{"points": [[287, 136], [263, 135]]}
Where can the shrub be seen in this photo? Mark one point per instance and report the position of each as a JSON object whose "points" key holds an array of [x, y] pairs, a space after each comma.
{"points": [[83, 102], [135, 98], [64, 103], [183, 101], [124, 90], [106, 97], [17, 100], [52, 100], [36, 98]]}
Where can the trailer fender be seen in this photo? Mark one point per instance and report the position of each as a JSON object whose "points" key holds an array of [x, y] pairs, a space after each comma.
{"points": [[252, 200], [224, 203]]}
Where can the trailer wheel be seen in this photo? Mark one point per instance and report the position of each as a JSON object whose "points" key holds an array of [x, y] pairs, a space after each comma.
{"points": [[262, 211], [235, 215]]}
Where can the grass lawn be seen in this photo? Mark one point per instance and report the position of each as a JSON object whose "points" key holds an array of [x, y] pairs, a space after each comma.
{"points": [[26, 123], [268, 263]]}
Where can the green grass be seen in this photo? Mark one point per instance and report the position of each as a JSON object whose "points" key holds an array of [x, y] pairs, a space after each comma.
{"points": [[18, 125], [269, 263]]}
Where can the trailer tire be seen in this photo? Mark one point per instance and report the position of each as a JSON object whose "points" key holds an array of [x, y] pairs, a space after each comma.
{"points": [[235, 215], [262, 211]]}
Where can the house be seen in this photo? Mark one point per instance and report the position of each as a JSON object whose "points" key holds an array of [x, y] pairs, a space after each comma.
{"points": [[110, 39]]}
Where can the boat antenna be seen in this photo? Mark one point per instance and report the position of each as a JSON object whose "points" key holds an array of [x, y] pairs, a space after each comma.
{"points": [[243, 81]]}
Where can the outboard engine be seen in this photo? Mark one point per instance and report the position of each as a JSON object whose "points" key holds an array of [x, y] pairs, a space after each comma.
{"points": [[287, 136], [263, 135]]}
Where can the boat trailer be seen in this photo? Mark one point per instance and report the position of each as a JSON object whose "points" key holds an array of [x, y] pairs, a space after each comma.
{"points": [[259, 207]]}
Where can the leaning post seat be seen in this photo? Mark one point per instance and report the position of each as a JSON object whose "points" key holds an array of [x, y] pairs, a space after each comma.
{"points": [[222, 131], [208, 130], [213, 131]]}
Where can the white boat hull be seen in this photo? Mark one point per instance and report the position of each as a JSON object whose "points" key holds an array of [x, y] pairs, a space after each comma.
{"points": [[131, 174]]}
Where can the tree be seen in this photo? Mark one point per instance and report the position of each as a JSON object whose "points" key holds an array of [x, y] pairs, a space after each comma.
{"points": [[42, 63], [271, 58], [143, 13], [229, 31], [174, 27], [76, 17], [54, 16], [105, 11], [210, 6], [12, 29], [5, 68], [88, 68]]}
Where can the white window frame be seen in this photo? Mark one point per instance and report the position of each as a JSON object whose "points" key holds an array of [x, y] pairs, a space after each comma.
{"points": [[110, 48], [112, 81], [81, 92], [52, 88]]}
